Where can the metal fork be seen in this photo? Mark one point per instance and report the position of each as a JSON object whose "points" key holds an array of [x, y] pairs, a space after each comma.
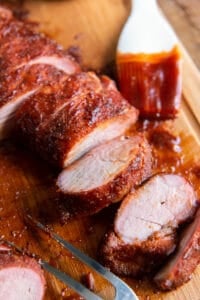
{"points": [[122, 290]]}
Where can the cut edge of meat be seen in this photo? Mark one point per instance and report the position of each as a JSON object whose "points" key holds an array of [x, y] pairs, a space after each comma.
{"points": [[183, 262], [112, 157], [136, 257], [162, 187], [104, 132], [93, 200], [7, 113], [84, 122], [65, 63]]}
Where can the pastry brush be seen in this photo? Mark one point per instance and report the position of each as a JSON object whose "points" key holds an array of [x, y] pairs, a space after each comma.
{"points": [[149, 62]]}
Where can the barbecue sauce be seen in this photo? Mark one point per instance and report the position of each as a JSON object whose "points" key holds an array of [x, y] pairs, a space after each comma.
{"points": [[151, 82]]}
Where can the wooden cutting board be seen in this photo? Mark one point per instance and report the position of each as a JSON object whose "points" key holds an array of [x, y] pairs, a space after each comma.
{"points": [[27, 183]]}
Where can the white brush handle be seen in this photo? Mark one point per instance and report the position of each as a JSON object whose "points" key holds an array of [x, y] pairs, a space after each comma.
{"points": [[143, 6], [146, 31]]}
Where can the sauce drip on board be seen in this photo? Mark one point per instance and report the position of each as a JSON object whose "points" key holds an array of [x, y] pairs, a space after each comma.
{"points": [[151, 82], [172, 151]]}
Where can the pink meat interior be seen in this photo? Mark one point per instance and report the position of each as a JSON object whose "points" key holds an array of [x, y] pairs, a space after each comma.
{"points": [[20, 283]]}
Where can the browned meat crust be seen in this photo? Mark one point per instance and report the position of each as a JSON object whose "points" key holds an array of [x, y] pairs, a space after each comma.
{"points": [[41, 108], [7, 260], [18, 82], [74, 123], [180, 266], [138, 259], [92, 201], [20, 43], [28, 60], [144, 255], [54, 123]]}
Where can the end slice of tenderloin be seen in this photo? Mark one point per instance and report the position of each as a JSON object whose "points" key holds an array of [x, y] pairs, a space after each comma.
{"points": [[144, 231], [179, 268], [20, 278], [105, 174]]}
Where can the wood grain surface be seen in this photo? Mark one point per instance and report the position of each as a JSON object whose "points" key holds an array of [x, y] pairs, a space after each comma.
{"points": [[27, 183], [184, 15]]}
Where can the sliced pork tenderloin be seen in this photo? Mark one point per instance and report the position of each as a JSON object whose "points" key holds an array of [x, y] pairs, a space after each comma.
{"points": [[28, 60], [144, 230], [96, 114], [179, 268], [22, 84], [45, 104], [21, 45], [105, 174], [63, 124], [24, 69], [15, 90], [20, 278], [17, 86]]}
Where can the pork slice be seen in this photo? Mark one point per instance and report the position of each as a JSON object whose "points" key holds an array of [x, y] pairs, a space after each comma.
{"points": [[20, 278], [28, 60], [94, 127], [16, 88], [21, 45], [144, 231], [180, 266], [7, 112], [95, 119], [65, 63], [71, 126], [44, 105], [23, 82], [136, 259], [105, 174]]}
